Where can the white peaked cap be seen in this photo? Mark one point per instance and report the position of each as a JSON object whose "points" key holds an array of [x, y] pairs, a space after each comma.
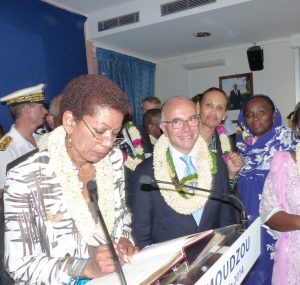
{"points": [[34, 94]]}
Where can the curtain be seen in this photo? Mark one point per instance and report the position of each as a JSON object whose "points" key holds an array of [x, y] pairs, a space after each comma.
{"points": [[133, 75]]}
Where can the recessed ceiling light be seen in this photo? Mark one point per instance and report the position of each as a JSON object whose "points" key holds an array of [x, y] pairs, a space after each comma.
{"points": [[202, 34]]}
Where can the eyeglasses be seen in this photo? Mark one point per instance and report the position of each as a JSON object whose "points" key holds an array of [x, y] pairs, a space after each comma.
{"points": [[101, 138], [258, 114], [178, 123]]}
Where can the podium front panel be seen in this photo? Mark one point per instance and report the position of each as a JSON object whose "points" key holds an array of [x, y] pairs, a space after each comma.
{"points": [[235, 263]]}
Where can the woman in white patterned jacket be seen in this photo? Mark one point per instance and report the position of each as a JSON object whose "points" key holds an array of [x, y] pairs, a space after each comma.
{"points": [[50, 219]]}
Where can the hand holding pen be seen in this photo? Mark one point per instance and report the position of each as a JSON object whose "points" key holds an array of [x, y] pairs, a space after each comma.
{"points": [[101, 263], [124, 246]]}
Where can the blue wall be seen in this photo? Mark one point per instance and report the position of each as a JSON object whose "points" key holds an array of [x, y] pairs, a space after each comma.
{"points": [[39, 43]]}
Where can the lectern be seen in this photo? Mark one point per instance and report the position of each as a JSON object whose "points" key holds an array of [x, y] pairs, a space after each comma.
{"points": [[233, 264], [222, 256]]}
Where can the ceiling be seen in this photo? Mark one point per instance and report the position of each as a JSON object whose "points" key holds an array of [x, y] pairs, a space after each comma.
{"points": [[241, 23]]}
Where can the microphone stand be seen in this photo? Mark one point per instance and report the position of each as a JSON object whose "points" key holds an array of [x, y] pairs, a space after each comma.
{"points": [[92, 188], [244, 219]]}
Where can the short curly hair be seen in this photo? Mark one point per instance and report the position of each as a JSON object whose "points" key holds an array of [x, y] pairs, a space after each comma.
{"points": [[84, 93]]}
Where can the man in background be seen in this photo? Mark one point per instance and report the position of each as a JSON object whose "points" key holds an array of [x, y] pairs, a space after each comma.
{"points": [[151, 123], [196, 99], [28, 111], [54, 120], [54, 117], [137, 145], [150, 102], [235, 99]]}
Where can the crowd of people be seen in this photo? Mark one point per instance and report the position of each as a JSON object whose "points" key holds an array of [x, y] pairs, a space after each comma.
{"points": [[53, 233]]}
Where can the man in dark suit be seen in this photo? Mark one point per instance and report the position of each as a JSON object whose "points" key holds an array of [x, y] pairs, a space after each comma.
{"points": [[161, 213], [235, 99]]}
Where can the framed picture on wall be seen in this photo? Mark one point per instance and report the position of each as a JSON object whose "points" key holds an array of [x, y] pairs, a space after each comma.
{"points": [[238, 88]]}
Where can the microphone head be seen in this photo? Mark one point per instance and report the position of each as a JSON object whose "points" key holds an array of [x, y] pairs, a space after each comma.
{"points": [[91, 187], [145, 179]]}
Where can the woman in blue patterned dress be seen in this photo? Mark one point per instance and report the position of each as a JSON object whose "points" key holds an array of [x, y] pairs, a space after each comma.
{"points": [[262, 135]]}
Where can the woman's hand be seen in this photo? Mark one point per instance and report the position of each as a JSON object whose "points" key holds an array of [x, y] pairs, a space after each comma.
{"points": [[102, 263], [127, 248], [234, 164]]}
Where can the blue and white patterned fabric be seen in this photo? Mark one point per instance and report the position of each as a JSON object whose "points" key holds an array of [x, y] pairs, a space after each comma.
{"points": [[257, 157]]}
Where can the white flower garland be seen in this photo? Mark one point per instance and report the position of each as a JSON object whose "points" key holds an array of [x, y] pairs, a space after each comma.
{"points": [[137, 144], [204, 163], [132, 163], [298, 157], [153, 140], [248, 139], [42, 142], [224, 140], [71, 188], [225, 143], [136, 139]]}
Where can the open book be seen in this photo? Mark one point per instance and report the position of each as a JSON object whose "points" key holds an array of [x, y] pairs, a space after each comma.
{"points": [[155, 261]]}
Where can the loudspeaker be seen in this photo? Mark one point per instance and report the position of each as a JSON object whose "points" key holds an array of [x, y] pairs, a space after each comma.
{"points": [[255, 56]]}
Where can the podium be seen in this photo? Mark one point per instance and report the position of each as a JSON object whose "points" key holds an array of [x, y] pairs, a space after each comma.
{"points": [[222, 256], [233, 264]]}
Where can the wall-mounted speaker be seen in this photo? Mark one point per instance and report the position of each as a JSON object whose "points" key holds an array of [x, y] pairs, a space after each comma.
{"points": [[255, 56]]}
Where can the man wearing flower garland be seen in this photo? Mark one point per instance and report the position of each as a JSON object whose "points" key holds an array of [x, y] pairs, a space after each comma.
{"points": [[163, 212]]}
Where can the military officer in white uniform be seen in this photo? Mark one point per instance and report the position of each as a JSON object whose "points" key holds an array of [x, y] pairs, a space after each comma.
{"points": [[27, 108]]}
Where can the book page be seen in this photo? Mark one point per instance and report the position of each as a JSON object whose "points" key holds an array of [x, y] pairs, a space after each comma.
{"points": [[152, 262]]}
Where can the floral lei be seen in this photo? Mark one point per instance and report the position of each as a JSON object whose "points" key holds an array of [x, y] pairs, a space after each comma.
{"points": [[225, 143], [137, 143], [71, 188], [248, 139], [164, 170]]}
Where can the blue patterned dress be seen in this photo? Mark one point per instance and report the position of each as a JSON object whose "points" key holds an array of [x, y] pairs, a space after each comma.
{"points": [[257, 157]]}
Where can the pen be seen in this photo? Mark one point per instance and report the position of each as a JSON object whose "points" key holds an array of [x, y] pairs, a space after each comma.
{"points": [[99, 239], [103, 241]]}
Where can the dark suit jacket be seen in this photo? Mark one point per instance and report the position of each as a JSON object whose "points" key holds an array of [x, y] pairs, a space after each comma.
{"points": [[148, 146], [154, 221], [235, 100]]}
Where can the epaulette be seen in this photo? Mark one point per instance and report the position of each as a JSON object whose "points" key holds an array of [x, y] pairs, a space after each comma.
{"points": [[5, 142]]}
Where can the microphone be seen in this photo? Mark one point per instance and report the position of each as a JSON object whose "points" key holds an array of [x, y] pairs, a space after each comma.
{"points": [[92, 189], [145, 179]]}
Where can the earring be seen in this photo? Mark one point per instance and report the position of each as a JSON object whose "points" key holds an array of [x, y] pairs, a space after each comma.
{"points": [[69, 141]]}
